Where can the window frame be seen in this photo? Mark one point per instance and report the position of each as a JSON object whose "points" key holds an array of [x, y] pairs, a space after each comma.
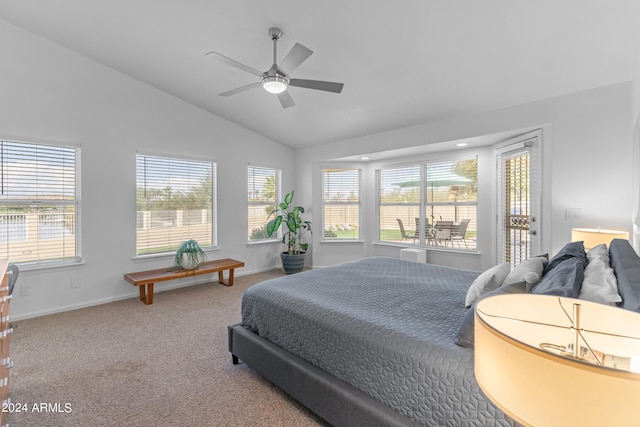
{"points": [[359, 238], [76, 202], [417, 204], [278, 200], [214, 203]]}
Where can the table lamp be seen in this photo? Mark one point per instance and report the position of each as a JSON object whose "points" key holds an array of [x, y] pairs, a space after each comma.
{"points": [[595, 236], [554, 361]]}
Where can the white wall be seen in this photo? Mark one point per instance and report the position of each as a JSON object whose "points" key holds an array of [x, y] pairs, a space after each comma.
{"points": [[50, 94], [586, 147]]}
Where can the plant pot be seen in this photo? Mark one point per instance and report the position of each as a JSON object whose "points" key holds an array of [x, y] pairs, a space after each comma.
{"points": [[292, 263], [188, 263]]}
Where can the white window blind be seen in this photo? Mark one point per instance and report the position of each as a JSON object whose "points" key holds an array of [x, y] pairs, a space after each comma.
{"points": [[38, 203], [263, 193], [398, 202], [175, 202], [451, 202], [341, 203]]}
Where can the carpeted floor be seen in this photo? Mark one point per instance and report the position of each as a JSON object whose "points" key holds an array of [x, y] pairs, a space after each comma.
{"points": [[127, 364]]}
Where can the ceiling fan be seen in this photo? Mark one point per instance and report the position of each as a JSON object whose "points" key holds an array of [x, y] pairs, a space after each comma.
{"points": [[277, 78]]}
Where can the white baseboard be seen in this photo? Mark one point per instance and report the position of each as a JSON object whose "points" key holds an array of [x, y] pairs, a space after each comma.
{"points": [[133, 294]]}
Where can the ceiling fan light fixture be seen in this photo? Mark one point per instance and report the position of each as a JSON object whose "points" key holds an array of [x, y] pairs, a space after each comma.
{"points": [[274, 84]]}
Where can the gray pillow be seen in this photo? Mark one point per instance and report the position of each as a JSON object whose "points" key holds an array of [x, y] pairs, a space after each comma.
{"points": [[466, 329], [565, 280], [599, 283], [529, 271], [570, 250], [486, 282], [626, 265]]}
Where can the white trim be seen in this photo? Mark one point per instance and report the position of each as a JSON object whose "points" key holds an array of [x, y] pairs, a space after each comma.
{"points": [[178, 156], [180, 283], [278, 200], [521, 143]]}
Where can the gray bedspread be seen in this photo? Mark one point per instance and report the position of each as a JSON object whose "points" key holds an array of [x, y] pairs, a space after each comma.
{"points": [[384, 326]]}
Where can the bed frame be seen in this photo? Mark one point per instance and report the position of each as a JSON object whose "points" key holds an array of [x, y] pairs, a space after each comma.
{"points": [[331, 399]]}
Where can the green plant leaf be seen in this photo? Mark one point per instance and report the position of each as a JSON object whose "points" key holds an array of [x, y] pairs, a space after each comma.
{"points": [[292, 225], [273, 225], [295, 212], [288, 198]]}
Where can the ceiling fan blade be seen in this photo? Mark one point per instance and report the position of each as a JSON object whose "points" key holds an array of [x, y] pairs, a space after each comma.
{"points": [[240, 89], [317, 84], [285, 99], [296, 56], [235, 64]]}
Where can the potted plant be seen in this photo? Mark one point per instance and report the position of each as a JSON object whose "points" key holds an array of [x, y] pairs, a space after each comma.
{"points": [[287, 216], [189, 255]]}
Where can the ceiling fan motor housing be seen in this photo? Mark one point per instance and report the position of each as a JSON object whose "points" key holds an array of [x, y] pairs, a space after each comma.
{"points": [[275, 33]]}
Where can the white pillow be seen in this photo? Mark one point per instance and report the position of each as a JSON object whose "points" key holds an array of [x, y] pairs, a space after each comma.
{"points": [[486, 282], [528, 271], [599, 251], [599, 283]]}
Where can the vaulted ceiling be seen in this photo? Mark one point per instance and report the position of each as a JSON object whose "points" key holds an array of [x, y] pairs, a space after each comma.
{"points": [[402, 63]]}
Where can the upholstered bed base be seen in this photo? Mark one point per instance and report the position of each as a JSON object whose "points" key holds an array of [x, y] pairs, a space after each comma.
{"points": [[331, 399]]}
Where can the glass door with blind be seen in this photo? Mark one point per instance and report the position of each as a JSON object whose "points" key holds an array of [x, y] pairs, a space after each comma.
{"points": [[518, 199]]}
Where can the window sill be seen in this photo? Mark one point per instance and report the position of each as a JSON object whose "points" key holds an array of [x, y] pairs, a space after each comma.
{"points": [[51, 265], [167, 255], [263, 242], [429, 248]]}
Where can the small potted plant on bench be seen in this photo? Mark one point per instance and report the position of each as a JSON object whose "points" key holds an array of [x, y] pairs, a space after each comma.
{"points": [[189, 255]]}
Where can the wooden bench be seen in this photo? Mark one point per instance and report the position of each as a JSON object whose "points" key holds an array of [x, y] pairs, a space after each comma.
{"points": [[145, 279]]}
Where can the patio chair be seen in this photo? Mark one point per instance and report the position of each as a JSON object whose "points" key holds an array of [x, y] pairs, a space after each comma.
{"points": [[459, 231], [443, 232], [429, 230], [406, 236]]}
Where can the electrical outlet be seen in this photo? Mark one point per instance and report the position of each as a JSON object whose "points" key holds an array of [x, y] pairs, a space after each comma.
{"points": [[76, 282], [25, 291]]}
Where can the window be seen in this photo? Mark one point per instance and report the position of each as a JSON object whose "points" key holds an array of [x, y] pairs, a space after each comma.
{"points": [[451, 203], [263, 193], [39, 203], [175, 201], [398, 202], [447, 192], [341, 203]]}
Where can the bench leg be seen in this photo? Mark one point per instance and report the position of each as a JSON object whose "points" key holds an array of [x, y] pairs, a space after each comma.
{"points": [[221, 278], [146, 293]]}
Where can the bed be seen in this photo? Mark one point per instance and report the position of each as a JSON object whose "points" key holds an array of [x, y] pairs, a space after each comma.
{"points": [[373, 342]]}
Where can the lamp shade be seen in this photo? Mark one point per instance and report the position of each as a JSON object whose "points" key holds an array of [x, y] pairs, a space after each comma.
{"points": [[540, 387], [594, 236]]}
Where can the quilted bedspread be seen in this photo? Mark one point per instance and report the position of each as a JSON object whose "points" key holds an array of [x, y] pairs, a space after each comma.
{"points": [[385, 326]]}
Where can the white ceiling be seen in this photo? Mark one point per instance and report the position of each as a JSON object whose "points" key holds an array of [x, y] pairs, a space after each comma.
{"points": [[402, 63]]}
